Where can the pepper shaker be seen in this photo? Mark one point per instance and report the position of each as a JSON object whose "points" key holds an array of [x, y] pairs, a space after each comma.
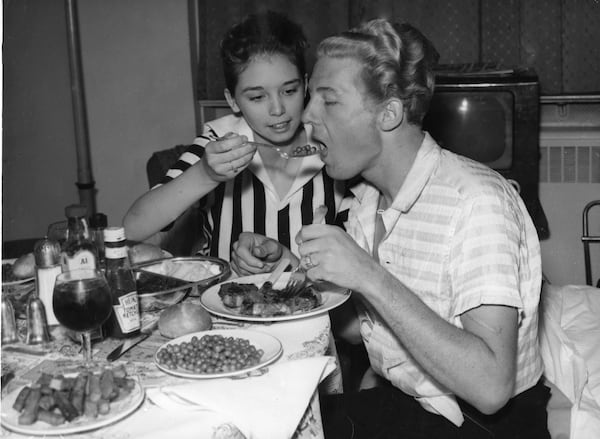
{"points": [[9, 325], [37, 325]]}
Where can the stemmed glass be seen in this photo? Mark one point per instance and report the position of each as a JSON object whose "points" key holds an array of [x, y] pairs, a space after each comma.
{"points": [[82, 302]]}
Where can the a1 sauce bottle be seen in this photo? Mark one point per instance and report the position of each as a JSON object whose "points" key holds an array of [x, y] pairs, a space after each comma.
{"points": [[78, 251], [124, 321]]}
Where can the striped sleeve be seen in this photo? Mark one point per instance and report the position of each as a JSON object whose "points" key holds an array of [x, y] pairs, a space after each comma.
{"points": [[191, 155], [484, 257]]}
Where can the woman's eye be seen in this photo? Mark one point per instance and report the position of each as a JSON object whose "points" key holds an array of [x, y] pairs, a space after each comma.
{"points": [[329, 103], [255, 98], [290, 91]]}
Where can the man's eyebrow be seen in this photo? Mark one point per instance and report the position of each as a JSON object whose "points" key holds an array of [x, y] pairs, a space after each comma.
{"points": [[325, 89]]}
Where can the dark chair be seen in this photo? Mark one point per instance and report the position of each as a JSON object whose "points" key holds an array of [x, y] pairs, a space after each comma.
{"points": [[183, 238]]}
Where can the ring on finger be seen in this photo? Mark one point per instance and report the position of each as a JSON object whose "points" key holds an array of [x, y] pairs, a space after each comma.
{"points": [[308, 263]]}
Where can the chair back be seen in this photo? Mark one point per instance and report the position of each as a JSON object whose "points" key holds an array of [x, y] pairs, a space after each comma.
{"points": [[183, 237]]}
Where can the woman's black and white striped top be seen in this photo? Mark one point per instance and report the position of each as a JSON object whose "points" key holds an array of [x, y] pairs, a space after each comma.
{"points": [[250, 203]]}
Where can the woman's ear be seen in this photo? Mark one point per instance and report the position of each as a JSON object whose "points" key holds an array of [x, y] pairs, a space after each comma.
{"points": [[391, 114], [231, 101]]}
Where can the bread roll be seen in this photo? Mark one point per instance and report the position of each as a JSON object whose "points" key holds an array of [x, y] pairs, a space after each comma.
{"points": [[144, 252], [183, 318], [24, 267]]}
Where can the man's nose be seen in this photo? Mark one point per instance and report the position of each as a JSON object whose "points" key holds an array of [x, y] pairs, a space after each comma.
{"points": [[308, 114]]}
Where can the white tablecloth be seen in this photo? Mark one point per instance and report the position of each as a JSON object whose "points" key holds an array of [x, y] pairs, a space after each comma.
{"points": [[300, 339]]}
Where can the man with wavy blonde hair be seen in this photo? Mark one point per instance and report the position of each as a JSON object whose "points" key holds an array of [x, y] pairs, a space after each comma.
{"points": [[440, 251]]}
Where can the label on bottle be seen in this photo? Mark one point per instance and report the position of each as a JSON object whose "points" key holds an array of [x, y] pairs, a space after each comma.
{"points": [[115, 252], [81, 259], [128, 312]]}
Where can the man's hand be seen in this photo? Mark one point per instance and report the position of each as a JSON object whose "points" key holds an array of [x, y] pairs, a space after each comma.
{"points": [[329, 253], [254, 253]]}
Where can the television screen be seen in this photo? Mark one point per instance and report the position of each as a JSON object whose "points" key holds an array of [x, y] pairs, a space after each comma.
{"points": [[476, 124]]}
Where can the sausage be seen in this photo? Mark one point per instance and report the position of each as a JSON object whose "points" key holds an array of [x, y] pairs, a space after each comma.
{"points": [[103, 407], [64, 405], [29, 414], [49, 417], [107, 384], [90, 408], [19, 403], [47, 402], [78, 391], [93, 388]]}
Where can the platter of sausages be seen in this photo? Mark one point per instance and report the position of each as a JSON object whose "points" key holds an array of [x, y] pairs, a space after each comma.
{"points": [[73, 403]]}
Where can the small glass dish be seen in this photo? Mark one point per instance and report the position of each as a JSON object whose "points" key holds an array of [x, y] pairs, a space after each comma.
{"points": [[165, 282]]}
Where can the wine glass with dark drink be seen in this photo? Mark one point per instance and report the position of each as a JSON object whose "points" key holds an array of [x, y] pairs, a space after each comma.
{"points": [[82, 302]]}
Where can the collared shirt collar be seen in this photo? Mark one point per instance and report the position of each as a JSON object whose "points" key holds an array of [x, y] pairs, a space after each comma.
{"points": [[425, 163]]}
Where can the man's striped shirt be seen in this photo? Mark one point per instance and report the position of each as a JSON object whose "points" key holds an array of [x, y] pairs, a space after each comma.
{"points": [[459, 236]]}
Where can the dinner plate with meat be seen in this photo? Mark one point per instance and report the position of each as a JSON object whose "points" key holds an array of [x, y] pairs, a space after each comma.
{"points": [[252, 298]]}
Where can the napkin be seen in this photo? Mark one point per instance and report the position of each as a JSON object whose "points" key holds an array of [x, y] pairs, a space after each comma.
{"points": [[266, 406]]}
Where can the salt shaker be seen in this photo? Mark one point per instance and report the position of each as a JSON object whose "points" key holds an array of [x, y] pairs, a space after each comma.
{"points": [[47, 267], [37, 325], [9, 325]]}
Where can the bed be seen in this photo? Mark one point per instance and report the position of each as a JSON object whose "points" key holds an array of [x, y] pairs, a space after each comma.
{"points": [[570, 344]]}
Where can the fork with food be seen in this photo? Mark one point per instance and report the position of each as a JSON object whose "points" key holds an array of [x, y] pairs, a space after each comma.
{"points": [[297, 279]]}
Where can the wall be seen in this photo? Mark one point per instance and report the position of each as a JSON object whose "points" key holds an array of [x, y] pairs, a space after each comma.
{"points": [[558, 38], [562, 253], [139, 91], [38, 141], [569, 179], [138, 88]]}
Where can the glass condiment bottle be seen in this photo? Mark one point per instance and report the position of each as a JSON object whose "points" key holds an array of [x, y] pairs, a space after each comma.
{"points": [[125, 319], [98, 223], [47, 266], [78, 250]]}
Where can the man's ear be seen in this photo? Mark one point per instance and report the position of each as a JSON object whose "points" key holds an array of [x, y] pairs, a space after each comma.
{"points": [[231, 101], [391, 114]]}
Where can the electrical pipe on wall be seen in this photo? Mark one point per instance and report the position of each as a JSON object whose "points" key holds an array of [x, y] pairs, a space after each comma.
{"points": [[85, 179]]}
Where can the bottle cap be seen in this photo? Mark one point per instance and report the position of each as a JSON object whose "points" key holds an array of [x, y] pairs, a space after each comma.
{"points": [[114, 234], [75, 211], [46, 253], [98, 220]]}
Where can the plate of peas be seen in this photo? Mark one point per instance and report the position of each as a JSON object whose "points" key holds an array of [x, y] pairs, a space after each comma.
{"points": [[218, 353]]}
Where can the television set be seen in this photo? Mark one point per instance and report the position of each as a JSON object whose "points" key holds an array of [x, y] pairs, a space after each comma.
{"points": [[491, 115]]}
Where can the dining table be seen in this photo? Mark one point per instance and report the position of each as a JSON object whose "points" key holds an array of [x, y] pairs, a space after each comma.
{"points": [[284, 391]]}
